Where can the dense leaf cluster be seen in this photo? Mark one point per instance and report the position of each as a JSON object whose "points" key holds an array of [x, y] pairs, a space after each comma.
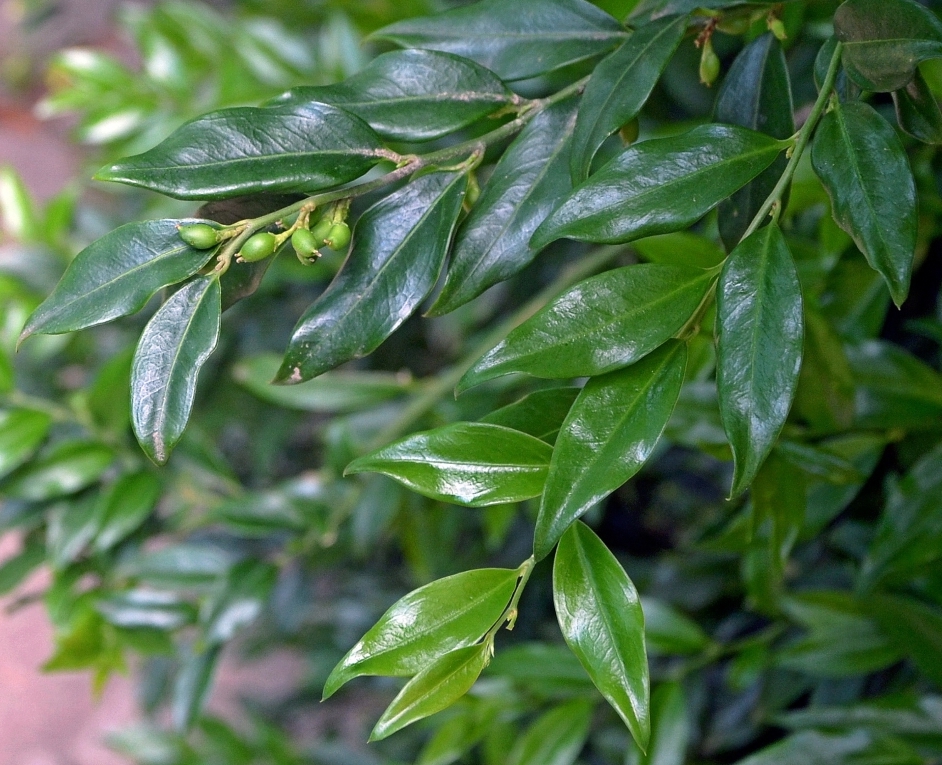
{"points": [[727, 335]]}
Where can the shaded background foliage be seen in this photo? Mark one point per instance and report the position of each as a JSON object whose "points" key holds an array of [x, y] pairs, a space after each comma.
{"points": [[801, 621]]}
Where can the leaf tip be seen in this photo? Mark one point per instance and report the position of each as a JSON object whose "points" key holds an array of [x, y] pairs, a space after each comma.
{"points": [[288, 374]]}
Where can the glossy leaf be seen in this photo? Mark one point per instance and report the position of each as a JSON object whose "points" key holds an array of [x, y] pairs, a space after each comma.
{"points": [[146, 609], [607, 437], [660, 185], [399, 246], [917, 111], [248, 149], [620, 85], [435, 688], [413, 95], [332, 392], [540, 413], [117, 275], [756, 94], [680, 248], [654, 9], [125, 507], [185, 564], [759, 330], [554, 738], [172, 349], [601, 619], [864, 169], [884, 41], [603, 323], [469, 463], [426, 624], [68, 467], [515, 41], [22, 432], [531, 178]]}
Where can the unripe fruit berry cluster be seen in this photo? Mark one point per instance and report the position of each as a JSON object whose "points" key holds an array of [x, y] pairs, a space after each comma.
{"points": [[258, 247]]}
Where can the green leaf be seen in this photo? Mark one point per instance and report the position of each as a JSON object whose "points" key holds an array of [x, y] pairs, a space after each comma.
{"points": [[146, 609], [864, 169], [128, 502], [185, 564], [469, 463], [680, 248], [239, 600], [399, 246], [546, 669], [814, 748], [885, 41], [668, 631], [15, 569], [22, 432], [297, 147], [428, 623], [603, 323], [192, 685], [759, 330], [531, 178], [914, 627], [332, 392], [435, 688], [413, 95], [70, 527], [555, 738], [917, 111], [620, 86], [670, 728], [756, 94], [117, 275], [68, 467], [601, 619], [655, 9], [825, 394], [660, 185], [540, 413], [608, 435], [516, 41], [17, 212], [174, 345]]}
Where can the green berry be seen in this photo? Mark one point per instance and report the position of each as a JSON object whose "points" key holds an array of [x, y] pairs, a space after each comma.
{"points": [[321, 230], [199, 235], [709, 63], [338, 237], [258, 247], [305, 243]]}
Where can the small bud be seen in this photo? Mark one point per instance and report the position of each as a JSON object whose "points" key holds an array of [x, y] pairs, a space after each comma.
{"points": [[473, 194], [629, 132], [321, 230], [199, 235], [777, 28], [304, 243], [709, 63], [338, 237], [258, 247]]}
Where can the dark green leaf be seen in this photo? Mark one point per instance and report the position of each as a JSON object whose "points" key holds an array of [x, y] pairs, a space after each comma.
{"points": [[914, 627], [756, 94], [469, 463], [603, 323], [608, 435], [116, 275], [670, 728], [668, 631], [884, 41], [22, 431], [759, 329], [192, 685], [555, 738], [332, 392], [399, 246], [65, 469], [15, 569], [70, 527], [296, 147], [435, 688], [413, 95], [813, 748], [146, 609], [455, 738], [601, 619], [680, 248], [655, 9], [863, 166], [427, 624], [239, 600], [516, 41], [183, 564], [620, 85], [531, 178], [660, 185], [544, 669], [174, 345], [126, 505], [917, 111], [825, 394], [540, 413]]}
